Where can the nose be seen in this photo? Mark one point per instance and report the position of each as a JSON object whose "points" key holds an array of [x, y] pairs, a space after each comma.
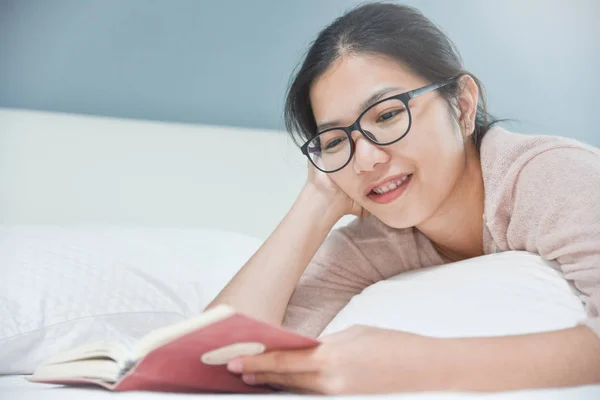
{"points": [[367, 154]]}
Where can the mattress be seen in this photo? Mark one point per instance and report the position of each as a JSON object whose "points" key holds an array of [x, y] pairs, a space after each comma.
{"points": [[17, 388]]}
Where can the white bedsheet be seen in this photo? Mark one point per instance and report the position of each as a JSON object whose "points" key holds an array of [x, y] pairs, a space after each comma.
{"points": [[17, 388]]}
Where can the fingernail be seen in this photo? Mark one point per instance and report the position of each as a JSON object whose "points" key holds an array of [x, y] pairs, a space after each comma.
{"points": [[249, 378], [235, 366]]}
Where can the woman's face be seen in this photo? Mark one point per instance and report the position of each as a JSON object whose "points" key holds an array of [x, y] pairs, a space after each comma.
{"points": [[427, 163]]}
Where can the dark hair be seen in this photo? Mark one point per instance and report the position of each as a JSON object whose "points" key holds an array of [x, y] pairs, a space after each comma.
{"points": [[396, 31]]}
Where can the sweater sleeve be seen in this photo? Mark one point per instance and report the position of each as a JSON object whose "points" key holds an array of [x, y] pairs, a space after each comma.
{"points": [[350, 259], [556, 213], [338, 271]]}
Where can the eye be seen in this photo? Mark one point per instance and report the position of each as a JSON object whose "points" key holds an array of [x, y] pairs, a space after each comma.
{"points": [[389, 115], [333, 143]]}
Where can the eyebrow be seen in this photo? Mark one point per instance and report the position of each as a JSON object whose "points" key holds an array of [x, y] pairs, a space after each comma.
{"points": [[378, 95]]}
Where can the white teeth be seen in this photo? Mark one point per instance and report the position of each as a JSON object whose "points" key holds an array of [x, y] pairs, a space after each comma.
{"points": [[391, 186]]}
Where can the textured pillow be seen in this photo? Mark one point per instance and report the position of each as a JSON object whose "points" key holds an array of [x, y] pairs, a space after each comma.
{"points": [[500, 294], [62, 287]]}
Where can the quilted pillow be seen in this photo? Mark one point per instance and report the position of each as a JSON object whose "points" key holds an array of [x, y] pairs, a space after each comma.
{"points": [[62, 287], [499, 294]]}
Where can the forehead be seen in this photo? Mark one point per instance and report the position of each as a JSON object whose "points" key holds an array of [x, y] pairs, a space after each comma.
{"points": [[339, 92]]}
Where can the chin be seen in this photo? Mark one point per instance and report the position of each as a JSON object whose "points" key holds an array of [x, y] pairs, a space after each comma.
{"points": [[399, 225], [395, 222]]}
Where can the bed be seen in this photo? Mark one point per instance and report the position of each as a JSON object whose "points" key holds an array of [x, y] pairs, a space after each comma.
{"points": [[82, 195], [14, 388]]}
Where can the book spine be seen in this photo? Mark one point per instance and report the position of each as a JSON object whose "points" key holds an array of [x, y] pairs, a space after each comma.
{"points": [[126, 367]]}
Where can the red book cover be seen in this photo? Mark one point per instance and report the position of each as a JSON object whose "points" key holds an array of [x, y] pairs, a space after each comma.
{"points": [[196, 361]]}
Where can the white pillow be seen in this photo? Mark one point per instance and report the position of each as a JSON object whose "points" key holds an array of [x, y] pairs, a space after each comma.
{"points": [[500, 294], [61, 287]]}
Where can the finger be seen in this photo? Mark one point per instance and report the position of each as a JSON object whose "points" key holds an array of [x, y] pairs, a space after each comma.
{"points": [[275, 361], [305, 382]]}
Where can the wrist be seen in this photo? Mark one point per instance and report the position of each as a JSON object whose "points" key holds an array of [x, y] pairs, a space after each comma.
{"points": [[319, 205], [565, 357]]}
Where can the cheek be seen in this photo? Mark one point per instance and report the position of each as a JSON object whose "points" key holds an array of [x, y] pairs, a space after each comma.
{"points": [[435, 143], [439, 175], [438, 153]]}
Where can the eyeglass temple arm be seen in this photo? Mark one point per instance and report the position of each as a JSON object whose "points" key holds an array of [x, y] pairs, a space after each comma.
{"points": [[429, 88]]}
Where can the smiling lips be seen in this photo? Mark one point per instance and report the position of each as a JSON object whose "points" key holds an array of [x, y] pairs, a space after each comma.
{"points": [[390, 189], [386, 187]]}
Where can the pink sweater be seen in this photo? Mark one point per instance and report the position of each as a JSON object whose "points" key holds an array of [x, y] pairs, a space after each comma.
{"points": [[542, 195]]}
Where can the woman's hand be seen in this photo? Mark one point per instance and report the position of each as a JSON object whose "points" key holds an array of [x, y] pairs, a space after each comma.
{"points": [[360, 359], [364, 360], [333, 194]]}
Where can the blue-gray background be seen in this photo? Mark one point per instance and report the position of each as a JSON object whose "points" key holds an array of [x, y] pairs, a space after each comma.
{"points": [[228, 62]]}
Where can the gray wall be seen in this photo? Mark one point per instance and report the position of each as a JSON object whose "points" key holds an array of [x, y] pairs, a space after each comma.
{"points": [[228, 62]]}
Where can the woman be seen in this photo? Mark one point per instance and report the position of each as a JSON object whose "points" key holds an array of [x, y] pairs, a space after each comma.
{"points": [[397, 133]]}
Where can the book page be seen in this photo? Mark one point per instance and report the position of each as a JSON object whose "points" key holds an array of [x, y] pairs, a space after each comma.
{"points": [[161, 336], [113, 352], [103, 369]]}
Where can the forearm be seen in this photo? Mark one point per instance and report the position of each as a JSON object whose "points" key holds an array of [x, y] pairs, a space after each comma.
{"points": [[568, 357], [263, 287]]}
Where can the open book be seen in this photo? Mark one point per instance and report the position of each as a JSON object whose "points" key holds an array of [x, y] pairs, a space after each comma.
{"points": [[189, 356]]}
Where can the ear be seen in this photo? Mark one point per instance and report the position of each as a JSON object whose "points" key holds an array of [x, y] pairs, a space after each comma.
{"points": [[467, 104]]}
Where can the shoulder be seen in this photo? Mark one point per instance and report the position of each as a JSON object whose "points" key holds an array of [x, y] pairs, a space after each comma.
{"points": [[514, 164], [533, 169], [569, 167], [502, 149]]}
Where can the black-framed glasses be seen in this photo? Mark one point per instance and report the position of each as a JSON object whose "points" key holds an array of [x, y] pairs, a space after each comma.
{"points": [[383, 123]]}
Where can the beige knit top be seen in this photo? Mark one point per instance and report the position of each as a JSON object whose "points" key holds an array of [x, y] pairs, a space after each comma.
{"points": [[542, 195]]}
